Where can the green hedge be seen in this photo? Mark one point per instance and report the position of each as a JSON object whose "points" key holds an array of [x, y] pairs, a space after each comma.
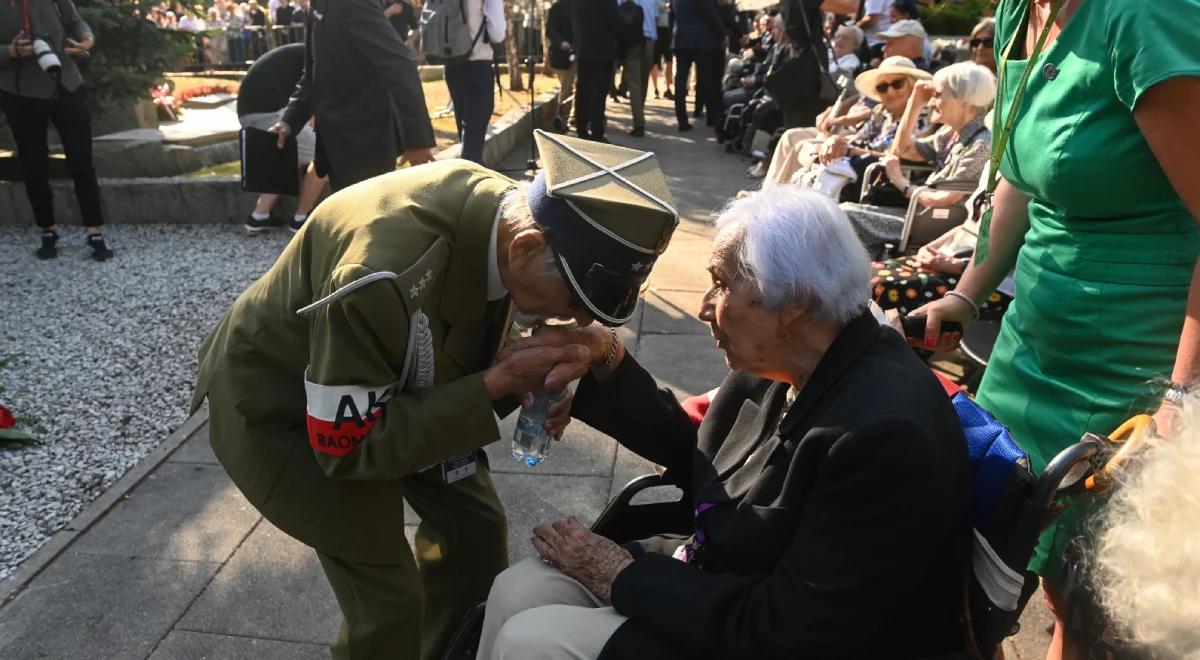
{"points": [[130, 54], [953, 18]]}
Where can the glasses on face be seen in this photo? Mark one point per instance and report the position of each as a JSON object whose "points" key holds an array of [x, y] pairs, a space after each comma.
{"points": [[897, 85], [986, 43]]}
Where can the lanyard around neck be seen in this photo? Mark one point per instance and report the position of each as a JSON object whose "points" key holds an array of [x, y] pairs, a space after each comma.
{"points": [[1000, 142]]}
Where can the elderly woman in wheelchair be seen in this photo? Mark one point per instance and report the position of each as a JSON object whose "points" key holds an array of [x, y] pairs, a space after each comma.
{"points": [[827, 487], [959, 98]]}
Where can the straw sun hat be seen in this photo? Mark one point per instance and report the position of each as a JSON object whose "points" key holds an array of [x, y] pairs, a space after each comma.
{"points": [[892, 66]]}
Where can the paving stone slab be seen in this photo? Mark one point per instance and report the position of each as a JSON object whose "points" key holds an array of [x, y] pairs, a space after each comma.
{"points": [[534, 499], [673, 312], [195, 450], [187, 645], [89, 606], [682, 266], [272, 587], [687, 364], [185, 511]]}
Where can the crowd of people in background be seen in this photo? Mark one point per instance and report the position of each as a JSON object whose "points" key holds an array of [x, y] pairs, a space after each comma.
{"points": [[229, 32]]}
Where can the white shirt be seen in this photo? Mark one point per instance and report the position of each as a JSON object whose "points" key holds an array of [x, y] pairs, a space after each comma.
{"points": [[497, 27], [882, 22], [495, 285]]}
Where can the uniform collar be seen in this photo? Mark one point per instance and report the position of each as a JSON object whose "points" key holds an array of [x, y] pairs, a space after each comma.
{"points": [[495, 285]]}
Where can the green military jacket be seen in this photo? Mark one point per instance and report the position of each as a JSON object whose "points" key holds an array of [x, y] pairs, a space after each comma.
{"points": [[354, 360]]}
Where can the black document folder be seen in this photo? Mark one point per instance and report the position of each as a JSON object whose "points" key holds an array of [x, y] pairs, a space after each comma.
{"points": [[265, 167]]}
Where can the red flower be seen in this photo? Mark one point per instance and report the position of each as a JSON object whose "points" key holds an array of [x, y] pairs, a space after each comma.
{"points": [[6, 418]]}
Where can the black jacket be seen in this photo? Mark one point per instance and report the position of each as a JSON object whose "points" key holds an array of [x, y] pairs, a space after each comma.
{"points": [[697, 25], [361, 83], [594, 24], [843, 534], [558, 30]]}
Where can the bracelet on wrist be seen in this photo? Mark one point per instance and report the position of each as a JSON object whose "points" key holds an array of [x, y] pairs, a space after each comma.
{"points": [[1176, 393], [611, 354], [967, 299]]}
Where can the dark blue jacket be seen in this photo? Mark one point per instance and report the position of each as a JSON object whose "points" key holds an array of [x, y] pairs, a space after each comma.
{"points": [[697, 25]]}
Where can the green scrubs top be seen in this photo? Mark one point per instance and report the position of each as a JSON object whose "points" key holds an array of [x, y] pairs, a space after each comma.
{"points": [[1103, 275]]}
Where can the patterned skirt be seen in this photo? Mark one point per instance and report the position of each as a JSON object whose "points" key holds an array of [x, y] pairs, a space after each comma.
{"points": [[903, 285]]}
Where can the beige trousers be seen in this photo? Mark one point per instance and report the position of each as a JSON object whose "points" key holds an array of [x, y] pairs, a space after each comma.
{"points": [[566, 91], [534, 612], [795, 154]]}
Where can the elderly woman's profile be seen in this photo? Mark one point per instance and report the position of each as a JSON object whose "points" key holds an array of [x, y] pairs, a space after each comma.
{"points": [[829, 478]]}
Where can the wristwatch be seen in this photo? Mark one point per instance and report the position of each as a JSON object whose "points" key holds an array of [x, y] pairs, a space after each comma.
{"points": [[1176, 392]]}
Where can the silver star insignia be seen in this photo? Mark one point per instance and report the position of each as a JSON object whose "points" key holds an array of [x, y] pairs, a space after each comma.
{"points": [[637, 266], [414, 291]]}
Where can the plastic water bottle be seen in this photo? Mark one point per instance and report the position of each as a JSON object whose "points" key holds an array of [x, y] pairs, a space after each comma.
{"points": [[531, 441]]}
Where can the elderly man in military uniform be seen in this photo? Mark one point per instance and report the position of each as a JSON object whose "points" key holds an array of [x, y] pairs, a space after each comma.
{"points": [[360, 371]]}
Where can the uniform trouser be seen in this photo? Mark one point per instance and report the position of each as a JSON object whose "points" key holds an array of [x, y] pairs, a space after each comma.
{"points": [[29, 119], [409, 610], [535, 612], [705, 91], [635, 76], [590, 91], [470, 85], [566, 91]]}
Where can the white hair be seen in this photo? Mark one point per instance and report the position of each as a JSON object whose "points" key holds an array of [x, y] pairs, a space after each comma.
{"points": [[1148, 559], [986, 25], [968, 82], [798, 248], [856, 34], [516, 217]]}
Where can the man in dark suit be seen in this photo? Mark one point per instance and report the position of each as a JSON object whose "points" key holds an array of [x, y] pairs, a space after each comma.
{"points": [[361, 83], [594, 25], [559, 44], [698, 34]]}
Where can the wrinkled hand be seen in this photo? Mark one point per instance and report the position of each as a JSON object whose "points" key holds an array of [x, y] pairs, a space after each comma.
{"points": [[79, 47], [938, 262], [891, 165], [535, 369], [922, 92], [416, 157], [949, 308], [1166, 419], [832, 149], [579, 553], [559, 415], [594, 337], [283, 131]]}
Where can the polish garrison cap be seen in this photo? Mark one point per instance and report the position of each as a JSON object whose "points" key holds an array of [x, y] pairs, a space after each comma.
{"points": [[607, 215]]}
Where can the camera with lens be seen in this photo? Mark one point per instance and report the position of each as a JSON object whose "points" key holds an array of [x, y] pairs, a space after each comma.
{"points": [[46, 57]]}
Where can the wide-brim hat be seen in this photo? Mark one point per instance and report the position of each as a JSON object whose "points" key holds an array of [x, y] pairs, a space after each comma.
{"points": [[892, 66], [607, 214]]}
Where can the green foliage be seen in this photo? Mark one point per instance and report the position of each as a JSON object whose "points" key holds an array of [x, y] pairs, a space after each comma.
{"points": [[130, 54], [953, 18]]}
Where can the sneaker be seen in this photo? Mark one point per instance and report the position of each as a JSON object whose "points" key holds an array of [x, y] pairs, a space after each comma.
{"points": [[756, 172], [294, 225], [638, 131], [49, 249], [100, 251], [255, 226]]}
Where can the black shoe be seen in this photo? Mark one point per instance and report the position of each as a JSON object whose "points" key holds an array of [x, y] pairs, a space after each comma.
{"points": [[685, 127], [638, 131], [584, 135], [100, 251], [668, 95], [49, 249], [256, 226], [601, 139], [657, 95], [699, 112], [294, 225]]}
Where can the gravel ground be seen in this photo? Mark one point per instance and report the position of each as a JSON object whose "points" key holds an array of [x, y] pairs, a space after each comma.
{"points": [[99, 358]]}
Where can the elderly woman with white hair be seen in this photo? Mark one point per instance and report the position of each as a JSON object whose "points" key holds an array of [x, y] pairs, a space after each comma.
{"points": [[959, 98], [829, 479]]}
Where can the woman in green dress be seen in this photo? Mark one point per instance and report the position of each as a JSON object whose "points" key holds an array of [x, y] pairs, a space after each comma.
{"points": [[1097, 212]]}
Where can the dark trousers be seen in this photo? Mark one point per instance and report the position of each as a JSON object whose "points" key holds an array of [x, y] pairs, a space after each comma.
{"points": [[29, 119], [470, 86], [708, 93], [237, 48], [591, 88]]}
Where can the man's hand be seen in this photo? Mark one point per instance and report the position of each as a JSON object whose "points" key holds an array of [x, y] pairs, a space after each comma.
{"points": [[79, 47], [591, 559], [282, 130], [565, 46], [20, 46], [416, 157], [535, 368]]}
